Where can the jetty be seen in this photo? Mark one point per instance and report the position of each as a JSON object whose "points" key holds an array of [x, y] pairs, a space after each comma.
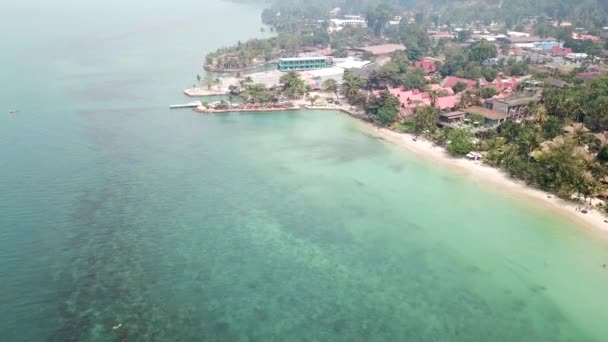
{"points": [[186, 105], [245, 109]]}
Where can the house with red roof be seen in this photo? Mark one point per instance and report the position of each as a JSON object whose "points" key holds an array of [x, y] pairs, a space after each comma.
{"points": [[411, 99], [426, 64], [560, 51], [507, 85], [501, 85], [451, 81], [590, 37]]}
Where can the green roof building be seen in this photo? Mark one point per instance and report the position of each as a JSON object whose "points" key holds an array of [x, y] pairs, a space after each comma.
{"points": [[304, 63]]}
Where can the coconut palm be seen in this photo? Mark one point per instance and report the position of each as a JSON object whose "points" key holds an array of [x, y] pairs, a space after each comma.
{"points": [[351, 85], [293, 85], [433, 96], [540, 114], [330, 86]]}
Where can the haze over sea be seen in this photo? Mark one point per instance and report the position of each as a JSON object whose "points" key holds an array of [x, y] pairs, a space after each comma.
{"points": [[253, 227]]}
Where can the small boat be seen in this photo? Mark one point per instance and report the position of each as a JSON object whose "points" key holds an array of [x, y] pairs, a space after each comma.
{"points": [[187, 105], [13, 111]]}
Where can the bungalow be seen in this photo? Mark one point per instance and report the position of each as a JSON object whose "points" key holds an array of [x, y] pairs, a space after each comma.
{"points": [[506, 85], [491, 118], [427, 64], [451, 81]]}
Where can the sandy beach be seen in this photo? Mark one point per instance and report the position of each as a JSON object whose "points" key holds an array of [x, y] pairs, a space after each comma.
{"points": [[494, 178]]}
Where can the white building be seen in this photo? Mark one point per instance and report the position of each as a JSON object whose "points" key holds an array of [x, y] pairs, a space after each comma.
{"points": [[339, 24]]}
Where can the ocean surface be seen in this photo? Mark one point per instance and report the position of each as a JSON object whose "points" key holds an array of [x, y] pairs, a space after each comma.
{"points": [[174, 226]]}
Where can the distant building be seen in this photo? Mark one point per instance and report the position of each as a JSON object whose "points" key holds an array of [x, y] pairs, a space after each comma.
{"points": [[339, 24], [554, 82], [588, 75], [559, 51], [304, 63], [517, 34], [381, 50], [590, 37], [536, 43]]}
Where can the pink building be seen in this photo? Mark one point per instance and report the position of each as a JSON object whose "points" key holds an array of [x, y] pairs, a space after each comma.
{"points": [[410, 99]]}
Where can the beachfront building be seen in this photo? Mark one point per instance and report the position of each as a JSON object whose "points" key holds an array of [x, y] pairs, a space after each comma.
{"points": [[491, 118], [451, 118], [514, 107], [304, 63]]}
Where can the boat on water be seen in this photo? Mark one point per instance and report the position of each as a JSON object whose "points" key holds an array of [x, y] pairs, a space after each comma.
{"points": [[187, 105], [13, 111]]}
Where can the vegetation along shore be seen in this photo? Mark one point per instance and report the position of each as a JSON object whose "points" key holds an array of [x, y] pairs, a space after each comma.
{"points": [[524, 94]]}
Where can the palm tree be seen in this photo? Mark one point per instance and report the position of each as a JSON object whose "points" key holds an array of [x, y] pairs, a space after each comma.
{"points": [[351, 85], [330, 86], [433, 95], [465, 99], [541, 116], [580, 134], [312, 99], [198, 78], [293, 85]]}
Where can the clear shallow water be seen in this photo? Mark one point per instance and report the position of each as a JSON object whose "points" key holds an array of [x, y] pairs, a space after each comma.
{"points": [[291, 226]]}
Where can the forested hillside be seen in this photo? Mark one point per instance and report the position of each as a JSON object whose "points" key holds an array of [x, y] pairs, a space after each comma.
{"points": [[585, 13]]}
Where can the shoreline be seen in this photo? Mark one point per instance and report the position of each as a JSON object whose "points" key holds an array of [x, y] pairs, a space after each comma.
{"points": [[488, 175], [476, 171]]}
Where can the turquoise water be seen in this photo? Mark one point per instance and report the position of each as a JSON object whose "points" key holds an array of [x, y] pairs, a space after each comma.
{"points": [[262, 227]]}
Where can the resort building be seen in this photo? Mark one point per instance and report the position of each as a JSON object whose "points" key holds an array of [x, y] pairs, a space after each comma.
{"points": [[516, 107], [491, 118], [304, 63], [451, 117]]}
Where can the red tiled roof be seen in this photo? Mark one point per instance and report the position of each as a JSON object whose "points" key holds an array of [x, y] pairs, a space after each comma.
{"points": [[427, 65], [591, 37], [501, 85], [451, 81], [556, 50], [411, 99]]}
